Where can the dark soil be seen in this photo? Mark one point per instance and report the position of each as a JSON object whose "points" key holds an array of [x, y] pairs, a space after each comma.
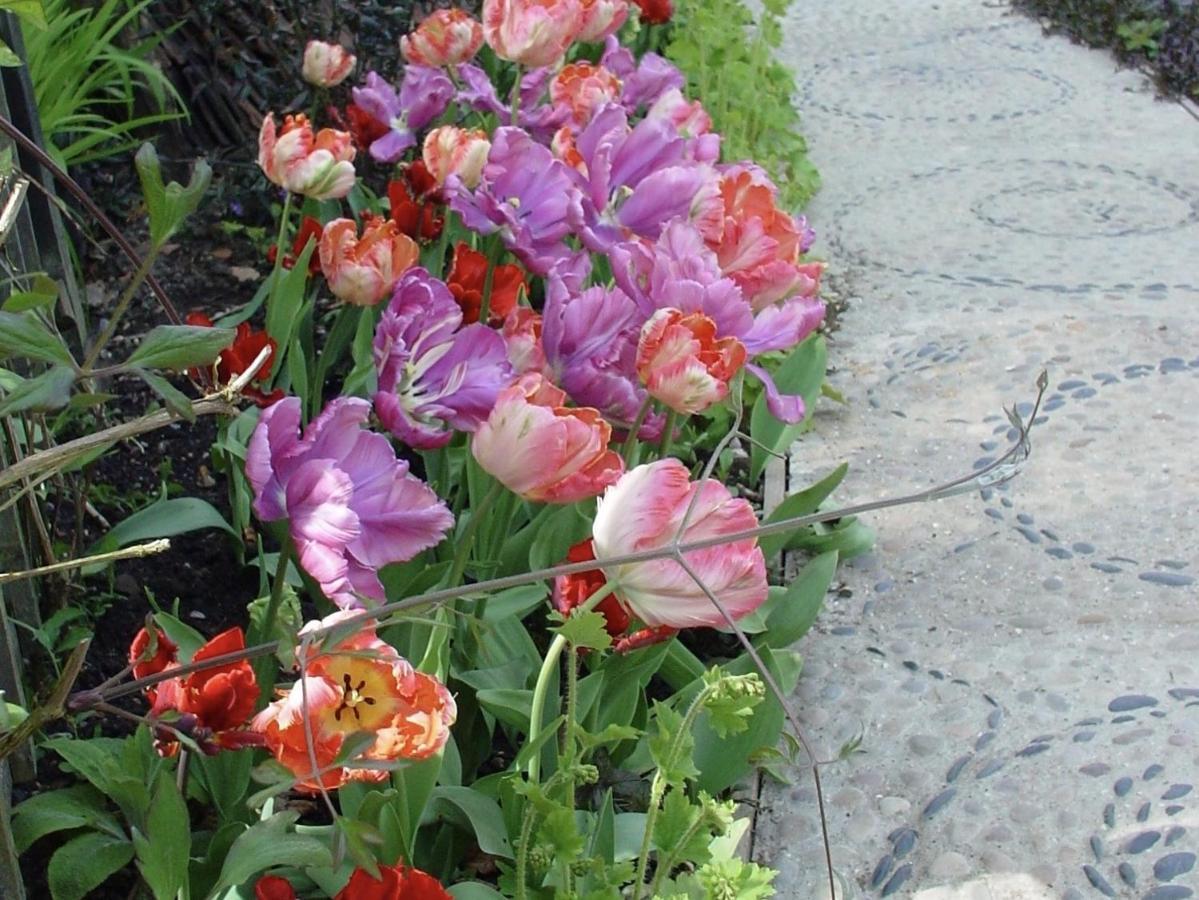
{"points": [[1161, 36]]}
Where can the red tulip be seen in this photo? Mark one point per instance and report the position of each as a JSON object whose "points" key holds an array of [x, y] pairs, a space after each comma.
{"points": [[413, 208], [214, 702], [655, 12], [468, 276], [239, 356]]}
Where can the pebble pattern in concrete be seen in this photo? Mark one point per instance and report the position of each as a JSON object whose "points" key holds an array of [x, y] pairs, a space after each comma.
{"points": [[1022, 663]]}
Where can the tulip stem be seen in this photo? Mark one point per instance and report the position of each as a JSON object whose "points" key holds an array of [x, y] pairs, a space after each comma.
{"points": [[466, 542], [516, 97], [494, 249], [657, 789], [672, 418], [263, 665], [631, 442], [548, 665], [277, 271]]}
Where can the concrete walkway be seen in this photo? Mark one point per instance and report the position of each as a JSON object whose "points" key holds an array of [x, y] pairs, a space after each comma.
{"points": [[1022, 665]]}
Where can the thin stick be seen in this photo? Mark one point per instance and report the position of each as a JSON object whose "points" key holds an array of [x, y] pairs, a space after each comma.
{"points": [[1004, 466], [136, 551], [64, 453]]}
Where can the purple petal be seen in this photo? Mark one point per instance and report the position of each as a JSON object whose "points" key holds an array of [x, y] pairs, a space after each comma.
{"points": [[478, 92], [424, 94], [788, 408], [780, 327], [276, 439]]}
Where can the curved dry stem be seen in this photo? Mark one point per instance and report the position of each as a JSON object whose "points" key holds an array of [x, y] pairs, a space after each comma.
{"points": [[1002, 469]]}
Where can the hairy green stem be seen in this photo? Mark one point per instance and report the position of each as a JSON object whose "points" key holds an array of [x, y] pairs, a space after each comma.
{"points": [[658, 787], [548, 665]]}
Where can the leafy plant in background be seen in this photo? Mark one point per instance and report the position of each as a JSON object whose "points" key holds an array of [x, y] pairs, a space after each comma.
{"points": [[729, 55], [89, 84], [1162, 35], [1140, 35]]}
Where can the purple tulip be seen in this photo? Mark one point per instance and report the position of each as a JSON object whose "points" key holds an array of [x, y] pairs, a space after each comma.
{"points": [[526, 195], [351, 506], [679, 271], [590, 343], [636, 179], [643, 81], [435, 377], [424, 95]]}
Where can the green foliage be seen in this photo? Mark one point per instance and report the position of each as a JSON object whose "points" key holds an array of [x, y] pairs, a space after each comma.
{"points": [[87, 84], [1141, 35], [802, 372], [729, 58]]}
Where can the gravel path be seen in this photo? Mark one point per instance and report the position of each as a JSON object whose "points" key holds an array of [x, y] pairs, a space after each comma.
{"points": [[1022, 664]]}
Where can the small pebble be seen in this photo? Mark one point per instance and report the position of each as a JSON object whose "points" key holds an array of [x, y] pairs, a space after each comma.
{"points": [[1152, 772], [882, 870], [1122, 786], [1098, 881], [939, 802], [1172, 865], [1170, 579], [1143, 812], [1129, 702], [1127, 874], [1139, 843], [1176, 791], [904, 843], [898, 880]]}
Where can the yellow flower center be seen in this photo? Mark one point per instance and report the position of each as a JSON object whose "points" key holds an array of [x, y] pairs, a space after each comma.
{"points": [[352, 695]]}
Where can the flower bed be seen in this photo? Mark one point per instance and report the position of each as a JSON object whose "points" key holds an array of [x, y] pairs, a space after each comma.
{"points": [[524, 324]]}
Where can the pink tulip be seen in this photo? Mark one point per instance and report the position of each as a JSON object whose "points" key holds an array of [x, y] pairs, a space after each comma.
{"points": [[362, 271], [683, 364], [450, 150], [602, 18], [532, 32], [543, 451], [319, 166], [327, 65], [447, 37], [643, 511]]}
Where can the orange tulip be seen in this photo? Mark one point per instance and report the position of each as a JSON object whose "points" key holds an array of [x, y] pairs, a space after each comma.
{"points": [[316, 165], [363, 271], [683, 364], [360, 684], [450, 150], [447, 37]]}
